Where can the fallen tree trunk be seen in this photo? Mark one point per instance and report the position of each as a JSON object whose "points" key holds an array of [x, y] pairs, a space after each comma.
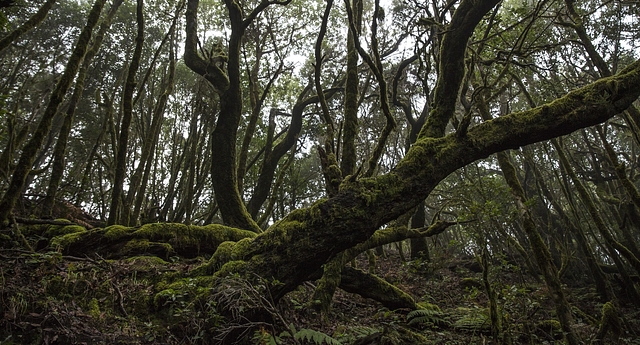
{"points": [[159, 239]]}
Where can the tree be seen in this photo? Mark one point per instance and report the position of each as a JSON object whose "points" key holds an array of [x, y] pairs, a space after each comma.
{"points": [[295, 247]]}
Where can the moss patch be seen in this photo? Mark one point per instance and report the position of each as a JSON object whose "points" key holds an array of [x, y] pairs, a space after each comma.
{"points": [[64, 241], [59, 230], [115, 232]]}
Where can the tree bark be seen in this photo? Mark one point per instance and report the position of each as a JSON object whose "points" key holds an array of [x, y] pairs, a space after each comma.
{"points": [[351, 95]]}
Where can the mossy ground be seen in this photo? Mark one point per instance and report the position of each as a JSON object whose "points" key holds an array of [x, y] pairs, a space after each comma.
{"points": [[47, 297]]}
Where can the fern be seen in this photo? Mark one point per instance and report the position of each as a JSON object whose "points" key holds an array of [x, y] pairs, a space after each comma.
{"points": [[473, 320], [363, 331], [427, 317], [315, 337]]}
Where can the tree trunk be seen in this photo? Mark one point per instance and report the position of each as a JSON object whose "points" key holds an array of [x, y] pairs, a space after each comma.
{"points": [[419, 248], [538, 247], [127, 107], [351, 95]]}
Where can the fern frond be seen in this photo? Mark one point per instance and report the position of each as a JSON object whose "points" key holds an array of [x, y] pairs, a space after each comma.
{"points": [[316, 337], [363, 331], [473, 320], [427, 317], [422, 313]]}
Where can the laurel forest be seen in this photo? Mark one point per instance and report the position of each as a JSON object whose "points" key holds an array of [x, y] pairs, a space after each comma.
{"points": [[340, 172]]}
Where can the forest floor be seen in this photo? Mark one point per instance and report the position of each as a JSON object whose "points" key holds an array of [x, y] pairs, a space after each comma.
{"points": [[48, 298]]}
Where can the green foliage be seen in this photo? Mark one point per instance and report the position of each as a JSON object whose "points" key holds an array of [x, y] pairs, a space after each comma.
{"points": [[3, 22], [306, 335], [428, 317], [315, 337], [94, 308], [473, 320]]}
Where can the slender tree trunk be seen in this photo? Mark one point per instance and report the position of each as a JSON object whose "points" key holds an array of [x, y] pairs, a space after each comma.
{"points": [[540, 250], [256, 100], [148, 145], [127, 107], [177, 157], [14, 140], [31, 149], [419, 247], [351, 95], [61, 144]]}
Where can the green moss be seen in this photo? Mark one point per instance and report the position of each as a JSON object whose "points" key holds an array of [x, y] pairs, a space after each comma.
{"points": [[94, 308], [66, 240], [58, 230], [162, 231], [144, 246], [552, 327], [223, 254], [181, 235], [231, 267], [115, 232], [241, 248], [373, 190], [326, 287], [610, 322]]}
